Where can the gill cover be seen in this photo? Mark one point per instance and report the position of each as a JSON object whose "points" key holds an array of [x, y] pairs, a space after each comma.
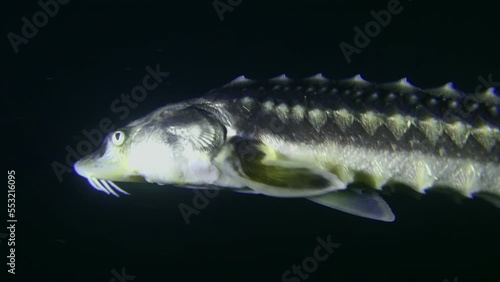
{"points": [[194, 125], [175, 146]]}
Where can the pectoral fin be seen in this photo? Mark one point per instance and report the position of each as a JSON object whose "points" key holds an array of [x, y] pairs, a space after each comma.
{"points": [[357, 202], [266, 172]]}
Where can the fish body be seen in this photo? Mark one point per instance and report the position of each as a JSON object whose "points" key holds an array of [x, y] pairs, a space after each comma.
{"points": [[314, 138]]}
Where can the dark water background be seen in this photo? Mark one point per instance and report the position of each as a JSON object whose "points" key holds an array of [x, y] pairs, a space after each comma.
{"points": [[66, 77]]}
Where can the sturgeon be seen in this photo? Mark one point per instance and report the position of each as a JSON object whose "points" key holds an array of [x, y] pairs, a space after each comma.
{"points": [[335, 142]]}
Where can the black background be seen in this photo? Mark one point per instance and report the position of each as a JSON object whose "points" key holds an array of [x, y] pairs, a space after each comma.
{"points": [[65, 79]]}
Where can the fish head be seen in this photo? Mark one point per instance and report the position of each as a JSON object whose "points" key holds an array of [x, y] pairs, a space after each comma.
{"points": [[110, 161], [169, 146]]}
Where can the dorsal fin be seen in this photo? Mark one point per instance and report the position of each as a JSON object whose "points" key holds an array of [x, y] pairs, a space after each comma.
{"points": [[356, 82], [317, 79], [446, 91], [357, 79], [401, 85], [281, 79], [240, 81], [489, 96]]}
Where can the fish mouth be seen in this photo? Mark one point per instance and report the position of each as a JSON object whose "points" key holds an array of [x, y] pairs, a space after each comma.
{"points": [[105, 177]]}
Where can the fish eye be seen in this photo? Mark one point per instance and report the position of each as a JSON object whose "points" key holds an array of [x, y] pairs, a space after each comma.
{"points": [[118, 138]]}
